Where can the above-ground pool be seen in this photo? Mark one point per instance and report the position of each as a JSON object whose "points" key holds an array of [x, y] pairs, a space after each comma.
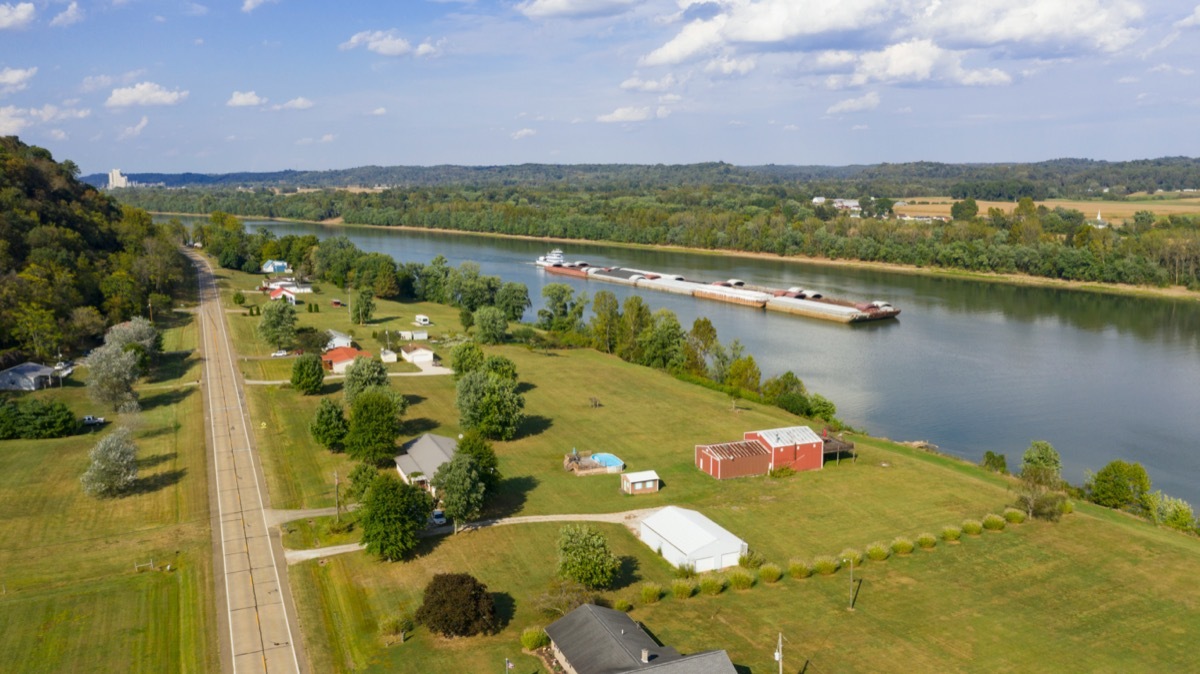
{"points": [[607, 460]]}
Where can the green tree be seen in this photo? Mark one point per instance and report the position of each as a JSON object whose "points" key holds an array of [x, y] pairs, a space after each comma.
{"points": [[997, 463], [466, 317], [329, 426], [461, 489], [490, 325], [361, 375], [1119, 485], [661, 342], [489, 404], [744, 374], [471, 290], [513, 299], [584, 557], [606, 321], [966, 209], [474, 445], [112, 372], [374, 426], [308, 376], [363, 307], [277, 326], [563, 312], [466, 357], [36, 330], [361, 479], [820, 407], [457, 605], [392, 516], [1042, 454], [1038, 492], [113, 467], [501, 367], [635, 317]]}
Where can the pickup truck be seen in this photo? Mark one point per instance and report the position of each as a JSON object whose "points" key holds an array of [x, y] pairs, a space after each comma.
{"points": [[90, 420]]}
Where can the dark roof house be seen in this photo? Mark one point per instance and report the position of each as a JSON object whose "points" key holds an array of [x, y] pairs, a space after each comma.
{"points": [[596, 640], [26, 377]]}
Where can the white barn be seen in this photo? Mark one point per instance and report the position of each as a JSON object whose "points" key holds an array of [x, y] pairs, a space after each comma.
{"points": [[686, 537]]}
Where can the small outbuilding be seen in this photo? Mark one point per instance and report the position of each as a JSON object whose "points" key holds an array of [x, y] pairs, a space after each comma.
{"points": [[26, 377], [387, 355], [337, 360], [419, 459], [415, 353], [641, 482], [687, 538], [420, 335], [338, 340], [275, 267], [760, 452]]}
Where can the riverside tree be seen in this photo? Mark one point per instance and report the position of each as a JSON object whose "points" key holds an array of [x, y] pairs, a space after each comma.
{"points": [[461, 488], [513, 299], [1119, 485], [489, 404], [113, 467], [490, 325], [1042, 455], [392, 516], [584, 556], [308, 376], [277, 326]]}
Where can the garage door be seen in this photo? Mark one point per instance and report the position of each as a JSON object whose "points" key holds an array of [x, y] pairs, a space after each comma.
{"points": [[705, 564], [729, 559]]}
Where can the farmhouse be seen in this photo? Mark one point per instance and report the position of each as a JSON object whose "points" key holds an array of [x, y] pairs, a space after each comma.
{"points": [[337, 360], [687, 538], [597, 640], [420, 459], [275, 266], [641, 482], [338, 340], [414, 353], [759, 452], [284, 293], [25, 377]]}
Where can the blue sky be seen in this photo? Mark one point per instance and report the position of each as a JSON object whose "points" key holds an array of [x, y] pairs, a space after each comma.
{"points": [[161, 85]]}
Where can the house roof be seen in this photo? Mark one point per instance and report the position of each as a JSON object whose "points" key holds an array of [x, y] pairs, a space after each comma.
{"points": [[280, 292], [792, 435], [689, 531], [641, 476], [344, 353], [733, 450], [426, 454], [413, 348], [30, 370], [334, 334]]}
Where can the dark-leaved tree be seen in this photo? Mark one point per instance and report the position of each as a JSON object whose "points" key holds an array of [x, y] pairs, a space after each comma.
{"points": [[457, 605]]}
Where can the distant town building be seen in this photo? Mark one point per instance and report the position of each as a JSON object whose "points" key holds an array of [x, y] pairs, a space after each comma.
{"points": [[117, 180]]}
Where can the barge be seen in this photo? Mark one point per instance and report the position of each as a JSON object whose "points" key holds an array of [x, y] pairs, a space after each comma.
{"points": [[795, 300]]}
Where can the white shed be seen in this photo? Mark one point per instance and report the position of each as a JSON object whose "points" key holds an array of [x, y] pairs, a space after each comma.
{"points": [[687, 537]]}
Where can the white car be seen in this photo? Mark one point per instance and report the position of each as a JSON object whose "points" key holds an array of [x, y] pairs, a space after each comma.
{"points": [[438, 518], [279, 354]]}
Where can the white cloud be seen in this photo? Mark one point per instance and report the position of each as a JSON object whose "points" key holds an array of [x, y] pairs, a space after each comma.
{"points": [[523, 133], [52, 113], [195, 9], [428, 48], [1085, 24], [298, 103], [725, 65], [242, 99], [251, 5], [662, 112], [12, 120], [1191, 20], [16, 16], [328, 138], [72, 14], [670, 98], [94, 82], [15, 79], [58, 134], [379, 112], [384, 42], [135, 130], [1170, 69], [636, 83], [917, 61], [304, 141], [198, 41], [697, 37], [626, 114], [550, 9], [144, 93], [1128, 79], [859, 127], [791, 127], [868, 101]]}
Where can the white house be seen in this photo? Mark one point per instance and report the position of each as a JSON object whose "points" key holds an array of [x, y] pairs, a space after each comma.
{"points": [[422, 457], [685, 537], [337, 360], [338, 340], [275, 266], [416, 354], [26, 377], [285, 294]]}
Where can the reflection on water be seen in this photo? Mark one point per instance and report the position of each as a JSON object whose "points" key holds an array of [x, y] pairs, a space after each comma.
{"points": [[970, 366]]}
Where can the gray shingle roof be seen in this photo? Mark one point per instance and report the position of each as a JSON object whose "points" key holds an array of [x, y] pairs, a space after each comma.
{"points": [[426, 454]]}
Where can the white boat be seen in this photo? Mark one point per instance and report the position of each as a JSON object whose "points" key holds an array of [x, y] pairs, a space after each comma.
{"points": [[552, 259]]}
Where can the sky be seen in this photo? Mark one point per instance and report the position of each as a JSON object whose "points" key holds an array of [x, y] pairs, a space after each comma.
{"points": [[261, 85]]}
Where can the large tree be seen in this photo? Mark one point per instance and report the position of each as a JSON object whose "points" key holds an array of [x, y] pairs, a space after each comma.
{"points": [[1042, 455], [277, 326], [308, 376], [474, 445], [513, 299], [457, 605], [392, 516], [329, 426], [489, 404], [363, 307], [461, 489], [466, 357], [1119, 485], [113, 467], [361, 375], [584, 556], [111, 374], [606, 321], [490, 325], [374, 426], [661, 342]]}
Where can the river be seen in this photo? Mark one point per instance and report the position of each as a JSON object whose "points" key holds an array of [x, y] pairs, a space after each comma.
{"points": [[969, 365]]}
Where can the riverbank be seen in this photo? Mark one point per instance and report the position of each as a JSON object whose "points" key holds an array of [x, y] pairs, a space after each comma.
{"points": [[1171, 292]]}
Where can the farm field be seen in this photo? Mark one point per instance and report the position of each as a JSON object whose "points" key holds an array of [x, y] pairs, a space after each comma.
{"points": [[1109, 210], [72, 600], [961, 606]]}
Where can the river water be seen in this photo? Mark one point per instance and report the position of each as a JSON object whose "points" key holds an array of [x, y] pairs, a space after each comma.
{"points": [[969, 365]]}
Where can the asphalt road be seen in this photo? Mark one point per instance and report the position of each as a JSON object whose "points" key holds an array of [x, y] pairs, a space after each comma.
{"points": [[259, 631]]}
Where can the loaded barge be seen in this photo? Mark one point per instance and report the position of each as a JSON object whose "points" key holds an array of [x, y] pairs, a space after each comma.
{"points": [[795, 300]]}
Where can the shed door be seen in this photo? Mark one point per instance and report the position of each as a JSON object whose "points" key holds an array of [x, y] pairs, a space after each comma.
{"points": [[729, 559], [705, 564]]}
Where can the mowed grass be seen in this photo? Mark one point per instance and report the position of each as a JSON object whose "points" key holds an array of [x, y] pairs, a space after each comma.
{"points": [[73, 602], [280, 369], [1107, 209]]}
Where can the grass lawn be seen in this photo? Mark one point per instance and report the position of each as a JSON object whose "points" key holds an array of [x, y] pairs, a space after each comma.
{"points": [[1023, 599], [280, 369], [73, 602]]}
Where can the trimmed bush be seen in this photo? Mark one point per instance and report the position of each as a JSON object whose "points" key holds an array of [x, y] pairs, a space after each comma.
{"points": [[1067, 507], [683, 589], [770, 573], [712, 585], [951, 533], [751, 560], [740, 579], [534, 638], [972, 527], [685, 570], [994, 522], [798, 568], [622, 605], [851, 553], [650, 593], [1014, 516], [826, 566], [878, 552], [902, 545], [927, 541]]}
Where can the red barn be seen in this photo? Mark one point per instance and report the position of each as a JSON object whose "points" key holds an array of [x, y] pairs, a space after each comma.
{"points": [[760, 452]]}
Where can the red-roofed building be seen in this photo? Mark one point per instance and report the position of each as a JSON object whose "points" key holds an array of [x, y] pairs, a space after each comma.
{"points": [[285, 293], [337, 360], [759, 452]]}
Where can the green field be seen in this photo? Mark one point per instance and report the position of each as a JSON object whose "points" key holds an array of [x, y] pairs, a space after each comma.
{"points": [[72, 601], [967, 606]]}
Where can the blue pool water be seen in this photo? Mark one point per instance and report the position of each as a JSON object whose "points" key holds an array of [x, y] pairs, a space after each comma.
{"points": [[607, 460]]}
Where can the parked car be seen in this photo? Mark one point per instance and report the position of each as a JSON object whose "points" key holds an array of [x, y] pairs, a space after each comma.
{"points": [[438, 518], [279, 354], [90, 420]]}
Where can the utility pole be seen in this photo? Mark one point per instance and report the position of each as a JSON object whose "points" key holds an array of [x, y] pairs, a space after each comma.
{"points": [[779, 653], [850, 607], [337, 501]]}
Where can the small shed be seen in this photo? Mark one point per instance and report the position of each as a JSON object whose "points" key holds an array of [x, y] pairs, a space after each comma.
{"points": [[415, 353], [337, 360], [275, 266], [641, 482], [26, 377], [420, 335], [741, 458], [686, 537], [796, 447], [338, 340], [387, 355]]}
